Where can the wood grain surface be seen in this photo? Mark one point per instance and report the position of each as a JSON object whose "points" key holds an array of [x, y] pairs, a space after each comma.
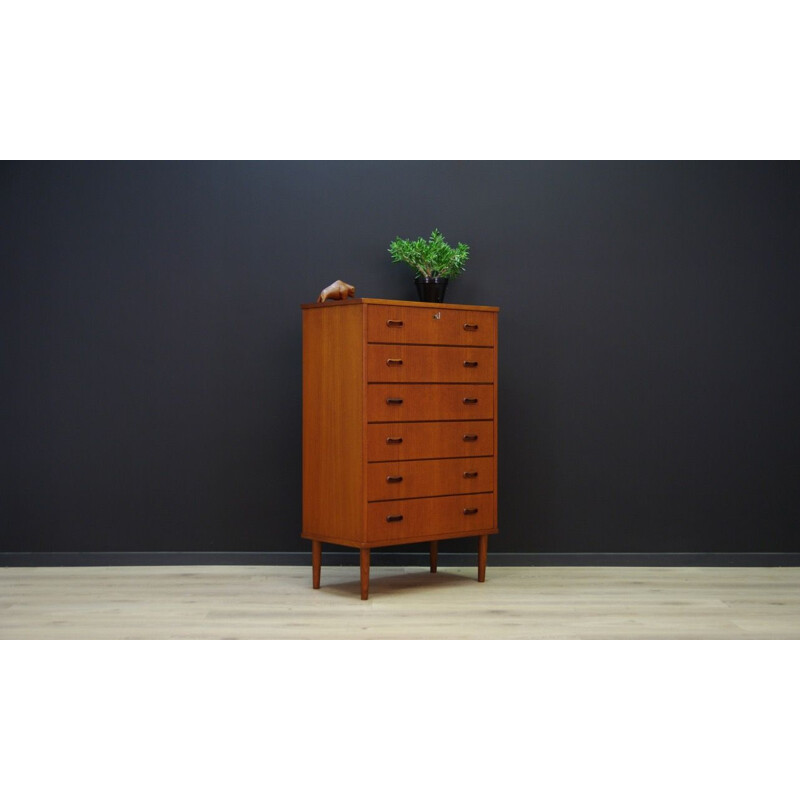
{"points": [[269, 602], [389, 402], [415, 520], [391, 480], [403, 363], [390, 441], [428, 326], [333, 412]]}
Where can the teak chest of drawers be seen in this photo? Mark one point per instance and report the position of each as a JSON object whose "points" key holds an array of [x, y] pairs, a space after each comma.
{"points": [[399, 426]]}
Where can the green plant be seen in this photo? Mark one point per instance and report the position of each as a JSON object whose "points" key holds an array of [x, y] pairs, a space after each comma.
{"points": [[432, 259]]}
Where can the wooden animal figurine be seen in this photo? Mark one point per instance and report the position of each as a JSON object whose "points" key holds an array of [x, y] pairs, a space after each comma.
{"points": [[338, 290]]}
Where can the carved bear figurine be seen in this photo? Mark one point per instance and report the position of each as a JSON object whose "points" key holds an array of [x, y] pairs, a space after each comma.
{"points": [[338, 290]]}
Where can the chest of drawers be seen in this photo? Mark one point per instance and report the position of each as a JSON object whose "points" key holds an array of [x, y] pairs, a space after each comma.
{"points": [[399, 426]]}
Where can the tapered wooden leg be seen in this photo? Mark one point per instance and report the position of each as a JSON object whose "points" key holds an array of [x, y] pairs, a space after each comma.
{"points": [[483, 546], [364, 573], [434, 555], [316, 562]]}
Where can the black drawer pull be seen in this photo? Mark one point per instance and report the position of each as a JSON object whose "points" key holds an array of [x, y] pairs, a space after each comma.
{"points": [[468, 511], [391, 362], [394, 323], [470, 401], [394, 401], [394, 440], [470, 437], [470, 363], [397, 517], [470, 474], [470, 326], [395, 478]]}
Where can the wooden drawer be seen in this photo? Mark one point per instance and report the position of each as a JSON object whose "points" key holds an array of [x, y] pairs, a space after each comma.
{"points": [[393, 363], [401, 441], [391, 480], [421, 401], [429, 516], [430, 326]]}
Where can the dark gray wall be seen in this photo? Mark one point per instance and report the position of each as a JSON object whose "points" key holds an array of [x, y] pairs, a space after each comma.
{"points": [[151, 345]]}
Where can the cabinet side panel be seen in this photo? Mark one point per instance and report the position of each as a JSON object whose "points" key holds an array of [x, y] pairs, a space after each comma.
{"points": [[333, 405], [496, 389]]}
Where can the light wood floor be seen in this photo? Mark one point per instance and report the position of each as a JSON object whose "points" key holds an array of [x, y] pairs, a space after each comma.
{"points": [[268, 602]]}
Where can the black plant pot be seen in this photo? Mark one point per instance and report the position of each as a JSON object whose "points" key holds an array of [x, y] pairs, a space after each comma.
{"points": [[431, 290]]}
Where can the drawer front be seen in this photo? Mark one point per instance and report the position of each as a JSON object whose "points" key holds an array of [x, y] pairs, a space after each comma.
{"points": [[391, 480], [401, 441], [408, 519], [430, 326], [393, 363], [421, 401]]}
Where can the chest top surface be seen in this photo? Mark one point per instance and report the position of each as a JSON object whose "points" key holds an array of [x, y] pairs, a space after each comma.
{"points": [[404, 303]]}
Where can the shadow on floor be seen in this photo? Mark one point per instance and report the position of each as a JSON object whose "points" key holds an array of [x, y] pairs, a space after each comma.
{"points": [[381, 585]]}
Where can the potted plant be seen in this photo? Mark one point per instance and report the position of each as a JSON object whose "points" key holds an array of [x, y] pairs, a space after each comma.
{"points": [[433, 261]]}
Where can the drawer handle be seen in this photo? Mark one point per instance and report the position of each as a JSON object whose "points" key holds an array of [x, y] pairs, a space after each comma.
{"points": [[396, 478], [471, 474], [394, 323], [394, 401], [470, 401], [470, 326], [470, 363], [391, 362], [394, 440], [468, 511], [398, 517], [470, 437]]}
